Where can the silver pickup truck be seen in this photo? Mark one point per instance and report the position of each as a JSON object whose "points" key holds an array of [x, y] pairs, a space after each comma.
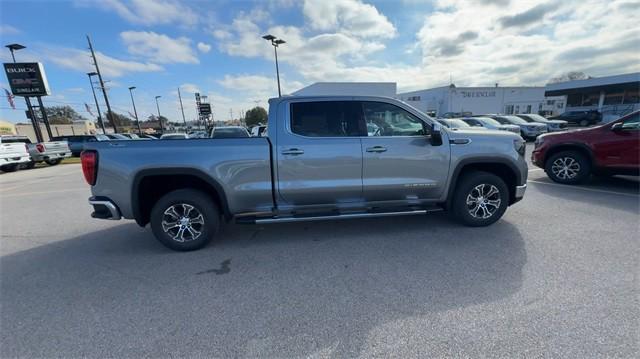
{"points": [[324, 158]]}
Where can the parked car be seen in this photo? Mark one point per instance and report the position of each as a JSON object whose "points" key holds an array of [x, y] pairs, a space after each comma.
{"points": [[259, 131], [149, 137], [457, 124], [76, 142], [490, 124], [199, 134], [229, 132], [571, 157], [319, 163], [528, 130], [13, 153], [455, 114], [174, 136], [582, 118], [51, 152], [134, 136], [552, 125]]}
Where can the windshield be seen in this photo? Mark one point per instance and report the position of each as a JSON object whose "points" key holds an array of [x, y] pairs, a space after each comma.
{"points": [[229, 133], [489, 121], [514, 119], [457, 123], [532, 117]]}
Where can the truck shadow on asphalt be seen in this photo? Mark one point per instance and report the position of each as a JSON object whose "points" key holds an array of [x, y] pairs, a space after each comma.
{"points": [[288, 290]]}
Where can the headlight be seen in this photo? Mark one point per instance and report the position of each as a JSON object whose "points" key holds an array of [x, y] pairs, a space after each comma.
{"points": [[519, 146]]}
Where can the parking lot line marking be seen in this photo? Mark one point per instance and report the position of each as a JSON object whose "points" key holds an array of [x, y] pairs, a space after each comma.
{"points": [[42, 192], [586, 189]]}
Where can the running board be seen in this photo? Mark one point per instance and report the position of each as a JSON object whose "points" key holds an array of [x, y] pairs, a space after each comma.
{"points": [[340, 216]]}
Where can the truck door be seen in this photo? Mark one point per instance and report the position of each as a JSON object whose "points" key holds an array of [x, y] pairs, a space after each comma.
{"points": [[399, 162], [318, 151], [620, 148]]}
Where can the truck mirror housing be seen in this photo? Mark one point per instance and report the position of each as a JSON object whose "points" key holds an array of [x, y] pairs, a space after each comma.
{"points": [[436, 135]]}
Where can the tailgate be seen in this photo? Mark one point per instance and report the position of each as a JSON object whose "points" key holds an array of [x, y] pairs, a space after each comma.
{"points": [[13, 150], [56, 147]]}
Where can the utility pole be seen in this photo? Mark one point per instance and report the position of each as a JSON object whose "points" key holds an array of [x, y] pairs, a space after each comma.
{"points": [[275, 42], [104, 91], [182, 109], [104, 131]]}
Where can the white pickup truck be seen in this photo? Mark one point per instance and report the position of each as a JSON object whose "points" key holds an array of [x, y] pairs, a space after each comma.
{"points": [[13, 153], [52, 152]]}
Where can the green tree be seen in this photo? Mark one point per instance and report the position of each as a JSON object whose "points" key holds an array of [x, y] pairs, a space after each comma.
{"points": [[255, 116], [569, 76], [120, 120], [62, 115]]}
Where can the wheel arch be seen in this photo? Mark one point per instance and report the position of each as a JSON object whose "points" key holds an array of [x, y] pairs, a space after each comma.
{"points": [[502, 168], [151, 184], [578, 147]]}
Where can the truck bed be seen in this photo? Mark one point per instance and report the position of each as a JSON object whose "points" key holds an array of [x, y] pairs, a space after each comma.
{"points": [[241, 167]]}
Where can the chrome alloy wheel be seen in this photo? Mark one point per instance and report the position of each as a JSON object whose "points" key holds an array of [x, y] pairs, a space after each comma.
{"points": [[565, 168], [182, 222], [483, 201]]}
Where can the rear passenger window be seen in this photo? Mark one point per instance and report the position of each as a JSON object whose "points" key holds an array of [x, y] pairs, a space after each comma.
{"points": [[327, 119]]}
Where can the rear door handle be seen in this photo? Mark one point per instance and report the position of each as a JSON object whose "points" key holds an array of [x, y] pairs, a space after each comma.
{"points": [[293, 152], [377, 149]]}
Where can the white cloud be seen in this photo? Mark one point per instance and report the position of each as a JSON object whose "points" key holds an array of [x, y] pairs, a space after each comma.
{"points": [[147, 12], [349, 16], [189, 88], [8, 30], [159, 48], [204, 48], [79, 60]]}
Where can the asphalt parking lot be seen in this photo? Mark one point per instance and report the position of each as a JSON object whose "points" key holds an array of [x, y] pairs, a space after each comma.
{"points": [[556, 277]]}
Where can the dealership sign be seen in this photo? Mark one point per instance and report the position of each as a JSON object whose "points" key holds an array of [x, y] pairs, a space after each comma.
{"points": [[466, 94], [205, 109], [27, 79]]}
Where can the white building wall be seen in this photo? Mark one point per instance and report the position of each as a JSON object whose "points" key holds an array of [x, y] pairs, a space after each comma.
{"points": [[477, 100]]}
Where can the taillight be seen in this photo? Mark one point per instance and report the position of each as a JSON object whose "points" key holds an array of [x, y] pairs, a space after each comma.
{"points": [[89, 161], [40, 147]]}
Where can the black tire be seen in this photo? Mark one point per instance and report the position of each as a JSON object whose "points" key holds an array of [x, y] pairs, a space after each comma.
{"points": [[472, 213], [568, 167], [202, 203], [53, 162], [584, 123], [29, 165], [10, 168]]}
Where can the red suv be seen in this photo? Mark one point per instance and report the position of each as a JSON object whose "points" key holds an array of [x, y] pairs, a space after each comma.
{"points": [[609, 149]]}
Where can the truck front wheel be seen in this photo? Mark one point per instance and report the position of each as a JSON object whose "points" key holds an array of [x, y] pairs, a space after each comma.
{"points": [[185, 219], [480, 199]]}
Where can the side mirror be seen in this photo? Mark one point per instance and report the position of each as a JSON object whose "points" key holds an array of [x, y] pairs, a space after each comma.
{"points": [[436, 135], [617, 127]]}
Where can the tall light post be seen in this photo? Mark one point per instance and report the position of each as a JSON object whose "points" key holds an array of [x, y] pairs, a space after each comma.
{"points": [[182, 109], [159, 118], [275, 42], [93, 89], [14, 47], [135, 112]]}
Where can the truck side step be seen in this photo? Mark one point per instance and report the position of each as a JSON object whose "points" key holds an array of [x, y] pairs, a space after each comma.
{"points": [[334, 216]]}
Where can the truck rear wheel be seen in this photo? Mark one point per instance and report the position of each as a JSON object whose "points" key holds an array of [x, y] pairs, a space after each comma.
{"points": [[480, 199], [53, 162], [185, 219]]}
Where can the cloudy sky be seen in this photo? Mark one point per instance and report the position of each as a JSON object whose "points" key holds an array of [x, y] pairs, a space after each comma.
{"points": [[215, 47]]}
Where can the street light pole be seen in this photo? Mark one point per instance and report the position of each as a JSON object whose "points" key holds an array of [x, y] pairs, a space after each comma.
{"points": [[159, 118], [135, 112], [182, 109], [275, 42], [96, 100]]}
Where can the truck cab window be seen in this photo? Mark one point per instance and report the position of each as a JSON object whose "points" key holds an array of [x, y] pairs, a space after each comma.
{"points": [[326, 119], [385, 119]]}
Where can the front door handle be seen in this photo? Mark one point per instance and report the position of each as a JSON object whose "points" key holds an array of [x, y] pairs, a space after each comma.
{"points": [[377, 149], [293, 152]]}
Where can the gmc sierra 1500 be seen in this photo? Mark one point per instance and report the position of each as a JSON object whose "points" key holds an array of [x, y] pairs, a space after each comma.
{"points": [[324, 158]]}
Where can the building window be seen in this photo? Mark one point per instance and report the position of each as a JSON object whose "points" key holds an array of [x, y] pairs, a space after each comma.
{"points": [[551, 102], [508, 109], [517, 109], [613, 98], [413, 98], [631, 96], [528, 109], [560, 105]]}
